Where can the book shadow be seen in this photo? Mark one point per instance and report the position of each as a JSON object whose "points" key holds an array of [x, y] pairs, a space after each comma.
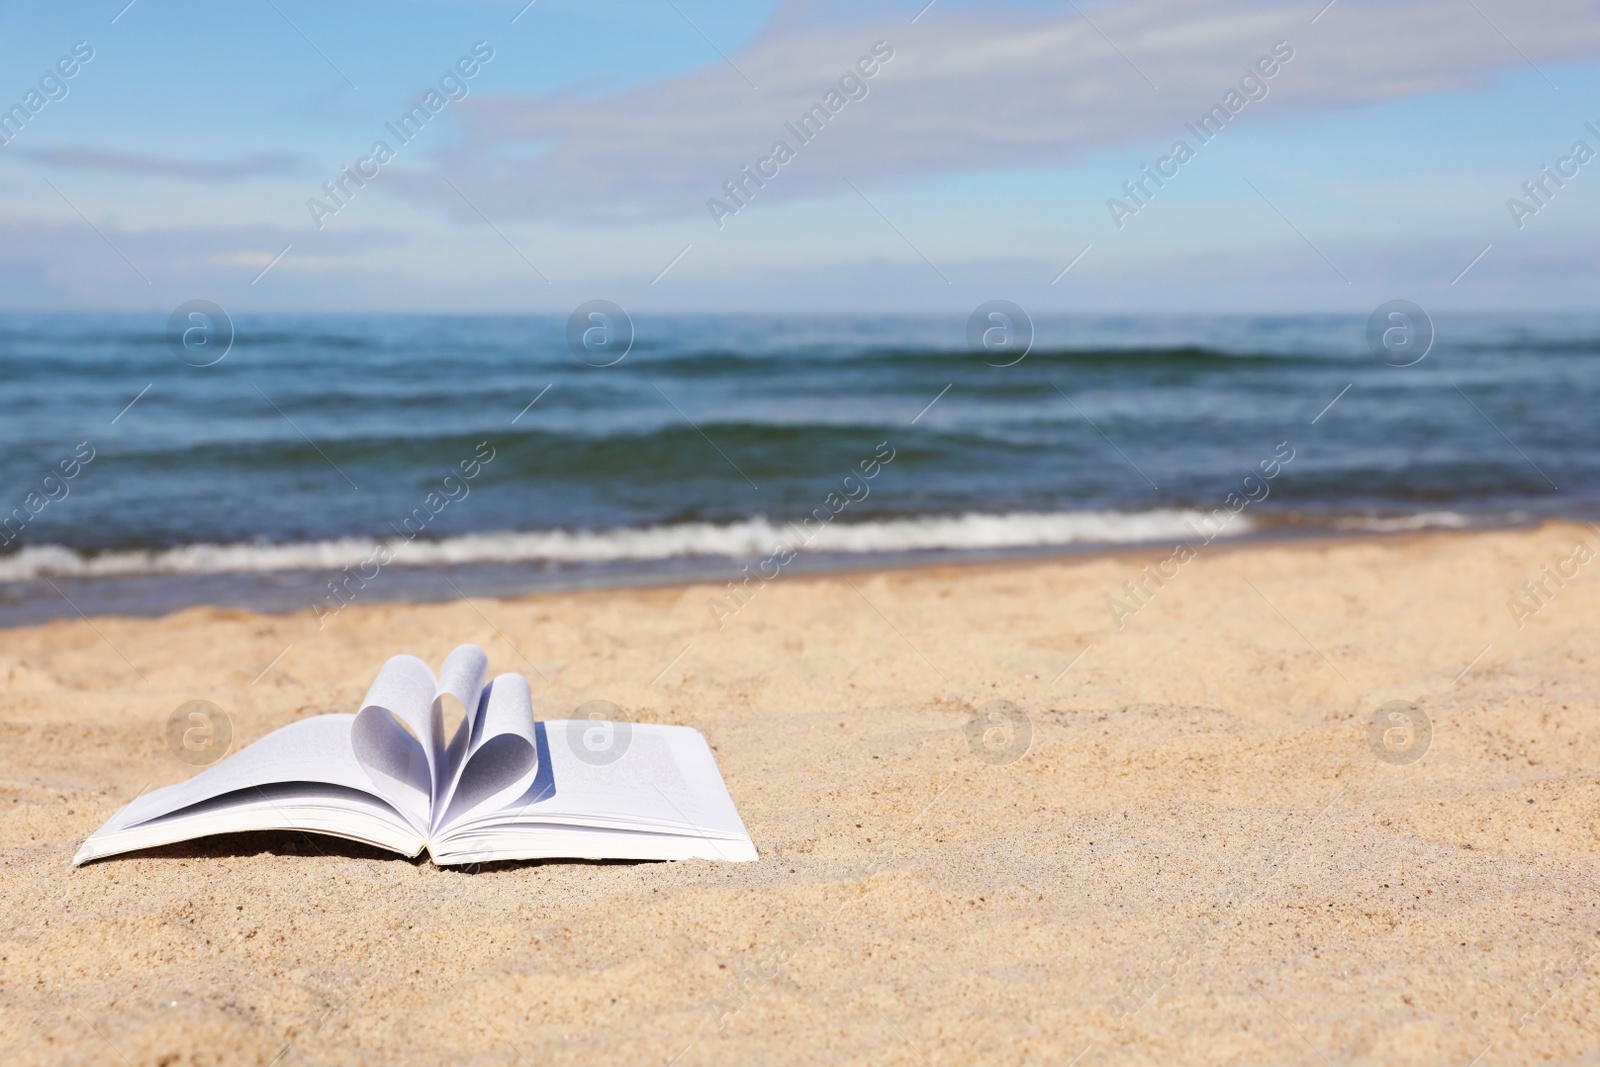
{"points": [[304, 843]]}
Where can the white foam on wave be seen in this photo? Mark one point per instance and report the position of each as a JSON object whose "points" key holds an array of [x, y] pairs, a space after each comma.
{"points": [[1427, 520], [735, 540]]}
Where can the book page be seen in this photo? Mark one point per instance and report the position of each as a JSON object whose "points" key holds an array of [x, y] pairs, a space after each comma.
{"points": [[399, 732], [459, 691], [664, 778], [316, 750], [500, 760], [394, 737]]}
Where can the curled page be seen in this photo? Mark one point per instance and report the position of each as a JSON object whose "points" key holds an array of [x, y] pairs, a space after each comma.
{"points": [[460, 680], [398, 735], [501, 757], [395, 737]]}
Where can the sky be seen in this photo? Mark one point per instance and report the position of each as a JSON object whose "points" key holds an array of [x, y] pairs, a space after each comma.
{"points": [[958, 151]]}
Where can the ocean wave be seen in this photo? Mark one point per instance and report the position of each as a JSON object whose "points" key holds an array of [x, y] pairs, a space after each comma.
{"points": [[1427, 520], [743, 539], [717, 362]]}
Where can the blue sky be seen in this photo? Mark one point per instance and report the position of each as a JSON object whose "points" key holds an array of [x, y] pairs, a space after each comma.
{"points": [[978, 164]]}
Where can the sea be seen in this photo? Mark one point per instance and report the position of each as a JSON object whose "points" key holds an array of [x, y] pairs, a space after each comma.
{"points": [[305, 463]]}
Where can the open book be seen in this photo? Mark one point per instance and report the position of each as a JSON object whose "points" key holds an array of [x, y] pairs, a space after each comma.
{"points": [[504, 787]]}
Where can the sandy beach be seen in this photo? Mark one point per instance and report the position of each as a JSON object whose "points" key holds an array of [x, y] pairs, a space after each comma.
{"points": [[1186, 845]]}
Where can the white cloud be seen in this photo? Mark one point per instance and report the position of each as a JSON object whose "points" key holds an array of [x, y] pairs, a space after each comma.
{"points": [[265, 164], [976, 88]]}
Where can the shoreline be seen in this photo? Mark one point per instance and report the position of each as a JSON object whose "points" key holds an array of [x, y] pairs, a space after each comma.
{"points": [[475, 578]]}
